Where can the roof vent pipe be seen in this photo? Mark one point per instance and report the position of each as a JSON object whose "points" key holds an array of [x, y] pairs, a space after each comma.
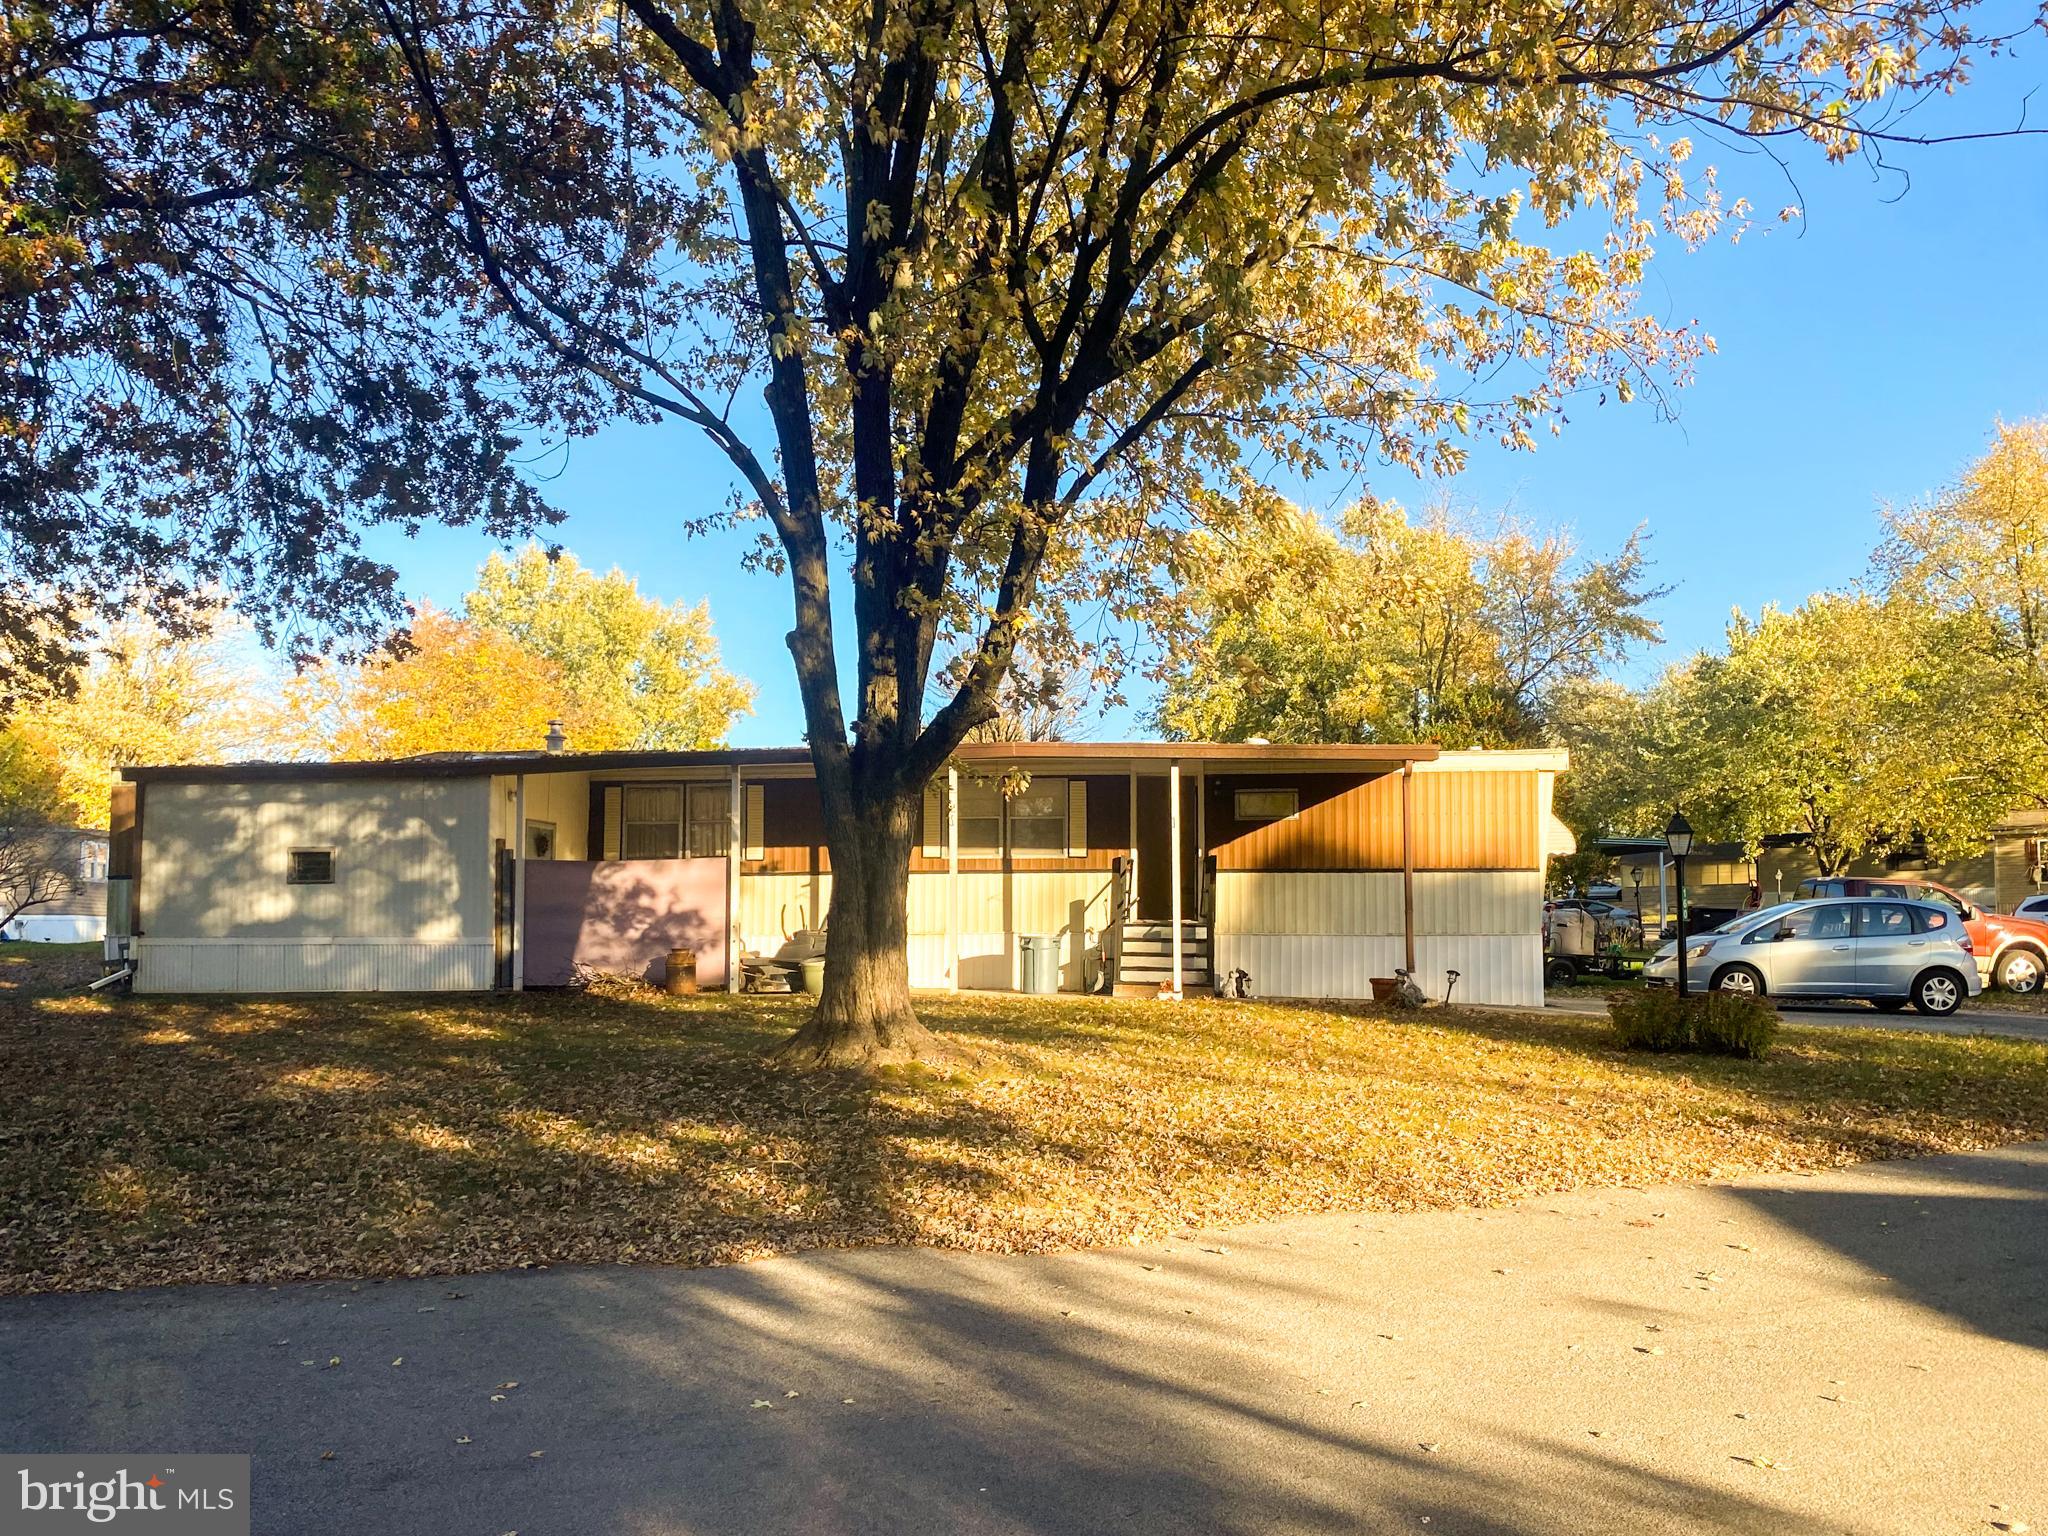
{"points": [[556, 740]]}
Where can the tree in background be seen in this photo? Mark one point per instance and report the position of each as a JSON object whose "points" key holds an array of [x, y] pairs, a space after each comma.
{"points": [[642, 673], [451, 686], [1022, 285], [1974, 561], [1907, 711], [147, 696], [1390, 630]]}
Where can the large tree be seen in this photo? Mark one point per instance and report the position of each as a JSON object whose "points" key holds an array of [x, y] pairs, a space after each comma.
{"points": [[1442, 629], [644, 673], [1020, 283]]}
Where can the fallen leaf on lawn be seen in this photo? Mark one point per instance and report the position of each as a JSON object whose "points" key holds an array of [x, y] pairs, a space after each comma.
{"points": [[463, 1440], [1150, 1267], [1432, 1446], [1649, 1349], [497, 1397], [327, 1455], [507, 1386], [1763, 1461], [399, 1361], [791, 1393], [846, 1400], [2010, 1525], [1742, 1248], [762, 1402], [333, 1360], [535, 1455]]}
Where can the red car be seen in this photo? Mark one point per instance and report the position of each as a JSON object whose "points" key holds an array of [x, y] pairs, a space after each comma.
{"points": [[2012, 952]]}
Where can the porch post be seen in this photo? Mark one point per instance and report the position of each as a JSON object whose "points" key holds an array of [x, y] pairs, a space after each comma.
{"points": [[1131, 895], [519, 884], [735, 811], [1173, 800], [1408, 866], [953, 877], [1202, 912], [1660, 895]]}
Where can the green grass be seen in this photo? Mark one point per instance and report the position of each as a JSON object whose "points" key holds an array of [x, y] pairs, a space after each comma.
{"points": [[151, 1140]]}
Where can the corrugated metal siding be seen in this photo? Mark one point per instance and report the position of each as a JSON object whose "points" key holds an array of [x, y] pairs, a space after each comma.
{"points": [[1472, 820], [1308, 965], [1465, 820], [1493, 968], [1481, 901], [1026, 901], [1331, 902], [344, 965], [773, 906], [1327, 934], [1506, 969], [412, 860]]}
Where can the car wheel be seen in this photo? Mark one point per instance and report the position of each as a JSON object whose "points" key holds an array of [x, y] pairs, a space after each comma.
{"points": [[1938, 993], [1742, 980], [1888, 1004], [2021, 971], [1562, 973]]}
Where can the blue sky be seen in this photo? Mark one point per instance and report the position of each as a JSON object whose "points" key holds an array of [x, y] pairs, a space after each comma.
{"points": [[1863, 358]]}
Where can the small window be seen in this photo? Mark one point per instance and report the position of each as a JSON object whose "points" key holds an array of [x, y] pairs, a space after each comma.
{"points": [[92, 861], [1930, 921], [981, 821], [540, 839], [652, 816], [710, 830], [1267, 804], [1038, 819], [310, 866]]}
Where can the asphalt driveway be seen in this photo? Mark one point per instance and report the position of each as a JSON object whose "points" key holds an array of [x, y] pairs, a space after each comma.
{"points": [[1856, 1015], [1864, 1351]]}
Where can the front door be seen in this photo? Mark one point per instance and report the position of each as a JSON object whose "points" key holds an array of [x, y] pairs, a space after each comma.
{"points": [[1155, 849]]}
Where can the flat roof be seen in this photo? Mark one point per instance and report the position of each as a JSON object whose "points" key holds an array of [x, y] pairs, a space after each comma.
{"points": [[468, 765]]}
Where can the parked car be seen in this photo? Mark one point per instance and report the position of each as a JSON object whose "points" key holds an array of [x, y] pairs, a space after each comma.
{"points": [[2033, 906], [1892, 952], [1604, 890], [2012, 952], [1603, 910]]}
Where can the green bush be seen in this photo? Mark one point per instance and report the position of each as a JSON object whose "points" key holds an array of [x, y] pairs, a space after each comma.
{"points": [[1719, 1023], [1653, 1019], [1729, 1025]]}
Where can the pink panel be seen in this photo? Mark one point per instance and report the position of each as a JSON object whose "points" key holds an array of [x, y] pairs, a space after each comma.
{"points": [[624, 915]]}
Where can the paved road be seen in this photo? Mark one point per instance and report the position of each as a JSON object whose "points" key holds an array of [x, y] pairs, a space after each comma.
{"points": [[1964, 1021], [1860, 1352]]}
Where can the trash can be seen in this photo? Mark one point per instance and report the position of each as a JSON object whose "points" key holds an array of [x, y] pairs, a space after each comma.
{"points": [[1041, 967], [682, 972], [814, 976]]}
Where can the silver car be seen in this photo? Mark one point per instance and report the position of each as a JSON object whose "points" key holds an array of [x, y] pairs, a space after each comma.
{"points": [[1890, 951]]}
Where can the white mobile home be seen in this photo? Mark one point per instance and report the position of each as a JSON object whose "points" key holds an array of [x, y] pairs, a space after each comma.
{"points": [[1312, 868]]}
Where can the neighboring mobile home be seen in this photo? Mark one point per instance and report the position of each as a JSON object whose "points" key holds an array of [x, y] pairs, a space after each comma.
{"points": [[1312, 868]]}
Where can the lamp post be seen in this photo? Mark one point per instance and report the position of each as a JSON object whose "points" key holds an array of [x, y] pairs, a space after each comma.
{"points": [[1678, 838], [1635, 877]]}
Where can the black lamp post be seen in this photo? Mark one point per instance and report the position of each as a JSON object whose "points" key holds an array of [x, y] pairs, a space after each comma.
{"points": [[1678, 838]]}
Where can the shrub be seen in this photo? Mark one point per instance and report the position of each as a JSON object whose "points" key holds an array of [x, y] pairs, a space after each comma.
{"points": [[1728, 1025], [1719, 1023], [1654, 1019]]}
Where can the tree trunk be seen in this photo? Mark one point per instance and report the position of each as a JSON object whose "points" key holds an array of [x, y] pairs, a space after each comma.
{"points": [[864, 1017]]}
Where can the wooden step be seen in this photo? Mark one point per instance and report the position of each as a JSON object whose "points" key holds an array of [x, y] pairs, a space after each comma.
{"points": [[1164, 931]]}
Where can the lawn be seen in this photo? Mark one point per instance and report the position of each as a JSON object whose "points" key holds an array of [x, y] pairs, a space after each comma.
{"points": [[156, 1140]]}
